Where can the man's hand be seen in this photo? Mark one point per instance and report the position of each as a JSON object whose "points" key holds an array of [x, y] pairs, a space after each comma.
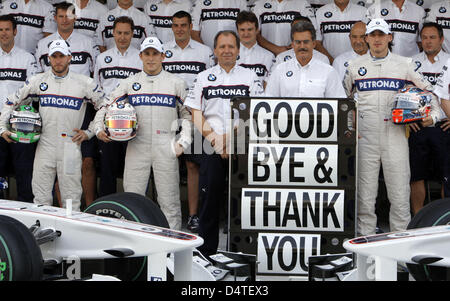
{"points": [[5, 135], [427, 121], [103, 137], [178, 149], [415, 127], [445, 125], [80, 136]]}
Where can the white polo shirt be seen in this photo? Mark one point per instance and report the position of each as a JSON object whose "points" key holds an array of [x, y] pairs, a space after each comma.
{"points": [[161, 14], [256, 58], [430, 71], [139, 4], [426, 4], [442, 87], [335, 26], [213, 90], [341, 62], [187, 63], [83, 49], [290, 54], [405, 25], [211, 16], [275, 19], [15, 68], [111, 66], [33, 19], [316, 79], [440, 13], [88, 18], [142, 26]]}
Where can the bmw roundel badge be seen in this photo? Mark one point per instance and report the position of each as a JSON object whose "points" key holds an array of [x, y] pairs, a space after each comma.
{"points": [[328, 14], [13, 5], [384, 12], [212, 77], [108, 59], [43, 86], [111, 18], [289, 73], [362, 71], [136, 86], [153, 7], [169, 54]]}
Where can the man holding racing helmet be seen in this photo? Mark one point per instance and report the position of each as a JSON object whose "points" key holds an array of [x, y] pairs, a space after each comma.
{"points": [[376, 77]]}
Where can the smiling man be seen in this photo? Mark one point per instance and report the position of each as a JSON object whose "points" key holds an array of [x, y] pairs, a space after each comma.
{"points": [[62, 97], [157, 96]]}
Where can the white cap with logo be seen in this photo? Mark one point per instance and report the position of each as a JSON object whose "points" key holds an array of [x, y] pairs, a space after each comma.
{"points": [[378, 24], [152, 42], [59, 46]]}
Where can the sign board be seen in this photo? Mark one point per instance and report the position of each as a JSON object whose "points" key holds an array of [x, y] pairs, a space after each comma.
{"points": [[292, 180]]}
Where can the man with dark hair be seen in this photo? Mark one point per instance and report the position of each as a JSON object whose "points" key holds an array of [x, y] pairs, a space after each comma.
{"points": [[376, 77], [16, 66], [111, 67], [304, 76], [186, 58], [209, 101], [161, 12], [428, 146], [252, 55]]}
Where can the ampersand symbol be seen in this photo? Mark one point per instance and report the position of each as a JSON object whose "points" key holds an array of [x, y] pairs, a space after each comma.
{"points": [[321, 166]]}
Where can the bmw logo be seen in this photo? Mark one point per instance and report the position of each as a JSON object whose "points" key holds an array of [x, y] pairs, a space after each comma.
{"points": [[212, 77], [136, 86], [111, 18], [153, 7], [207, 2], [289, 73], [108, 59], [418, 64], [268, 5], [384, 12], [361, 3], [43, 86], [287, 58], [419, 2], [346, 64], [13, 5], [238, 58], [169, 54], [362, 71], [442, 10], [28, 108], [328, 14], [120, 106]]}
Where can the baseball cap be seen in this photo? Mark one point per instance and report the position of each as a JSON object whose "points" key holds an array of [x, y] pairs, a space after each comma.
{"points": [[378, 24], [59, 46], [152, 42]]}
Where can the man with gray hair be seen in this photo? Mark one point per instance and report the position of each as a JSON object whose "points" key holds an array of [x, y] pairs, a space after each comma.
{"points": [[304, 76]]}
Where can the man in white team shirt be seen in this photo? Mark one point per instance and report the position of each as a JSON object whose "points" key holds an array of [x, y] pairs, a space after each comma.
{"points": [[88, 14], [359, 47], [405, 18], [251, 55], [161, 12], [34, 20], [186, 58], [142, 25], [111, 67], [304, 76], [440, 13], [428, 146], [335, 21], [290, 54]]}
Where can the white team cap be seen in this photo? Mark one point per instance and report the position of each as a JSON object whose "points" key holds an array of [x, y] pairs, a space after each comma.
{"points": [[152, 42], [378, 24], [59, 46]]}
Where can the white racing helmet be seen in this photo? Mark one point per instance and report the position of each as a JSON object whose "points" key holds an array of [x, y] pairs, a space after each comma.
{"points": [[121, 121]]}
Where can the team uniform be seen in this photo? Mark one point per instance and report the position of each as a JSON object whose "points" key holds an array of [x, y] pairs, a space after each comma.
{"points": [[256, 58], [440, 13], [158, 101], [139, 4], [442, 88], [275, 19], [405, 25], [382, 142], [142, 26], [429, 146], [62, 105], [335, 26], [340, 63], [15, 68], [84, 53], [111, 67], [211, 94], [88, 18], [211, 16], [33, 19], [161, 14], [290, 54], [316, 79]]}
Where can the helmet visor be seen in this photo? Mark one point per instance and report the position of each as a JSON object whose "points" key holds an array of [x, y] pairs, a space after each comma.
{"points": [[406, 104], [25, 125], [120, 124]]}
